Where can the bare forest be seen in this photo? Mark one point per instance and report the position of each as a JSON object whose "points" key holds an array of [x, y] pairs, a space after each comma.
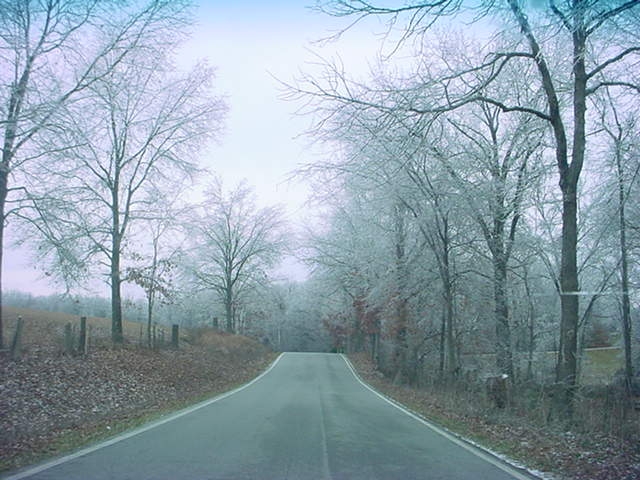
{"points": [[474, 223]]}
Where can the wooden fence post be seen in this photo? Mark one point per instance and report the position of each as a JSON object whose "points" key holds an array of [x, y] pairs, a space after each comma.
{"points": [[82, 344], [175, 329], [16, 344]]}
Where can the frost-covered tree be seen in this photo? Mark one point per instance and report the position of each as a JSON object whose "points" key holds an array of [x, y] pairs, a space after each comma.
{"points": [[566, 51], [52, 52], [235, 245], [135, 131]]}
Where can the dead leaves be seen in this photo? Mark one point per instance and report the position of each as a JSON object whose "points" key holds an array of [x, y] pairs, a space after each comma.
{"points": [[47, 393]]}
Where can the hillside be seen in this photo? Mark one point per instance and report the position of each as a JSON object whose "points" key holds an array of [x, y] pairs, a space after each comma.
{"points": [[51, 402]]}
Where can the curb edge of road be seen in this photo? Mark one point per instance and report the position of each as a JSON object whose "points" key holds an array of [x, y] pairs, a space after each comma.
{"points": [[28, 471], [518, 471]]}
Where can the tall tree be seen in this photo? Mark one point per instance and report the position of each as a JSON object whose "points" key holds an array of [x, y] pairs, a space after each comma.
{"points": [[154, 266], [433, 210], [136, 131], [92, 37], [500, 150]]}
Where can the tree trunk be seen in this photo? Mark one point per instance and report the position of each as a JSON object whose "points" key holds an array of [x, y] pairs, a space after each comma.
{"points": [[569, 304], [374, 339], [228, 307], [151, 288], [279, 338], [401, 360], [530, 326], [402, 313], [443, 329], [149, 317], [504, 357], [569, 176], [116, 245], [569, 300], [531, 344], [451, 357], [447, 284], [14, 111], [626, 306], [116, 299]]}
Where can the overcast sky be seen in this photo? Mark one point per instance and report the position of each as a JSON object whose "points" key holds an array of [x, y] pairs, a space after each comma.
{"points": [[252, 43]]}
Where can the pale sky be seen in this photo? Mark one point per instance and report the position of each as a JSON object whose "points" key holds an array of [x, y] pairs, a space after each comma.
{"points": [[250, 42]]}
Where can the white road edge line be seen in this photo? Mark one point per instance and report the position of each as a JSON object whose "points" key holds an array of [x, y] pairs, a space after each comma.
{"points": [[475, 450], [85, 451]]}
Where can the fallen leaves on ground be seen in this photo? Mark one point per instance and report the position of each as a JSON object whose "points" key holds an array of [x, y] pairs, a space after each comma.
{"points": [[47, 395]]}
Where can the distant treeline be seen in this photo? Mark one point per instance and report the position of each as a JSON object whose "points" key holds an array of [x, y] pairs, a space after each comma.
{"points": [[134, 310]]}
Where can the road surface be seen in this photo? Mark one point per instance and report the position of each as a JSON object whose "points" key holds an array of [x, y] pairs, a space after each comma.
{"points": [[308, 417]]}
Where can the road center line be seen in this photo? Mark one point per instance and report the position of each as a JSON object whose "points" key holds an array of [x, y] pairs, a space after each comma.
{"points": [[326, 469]]}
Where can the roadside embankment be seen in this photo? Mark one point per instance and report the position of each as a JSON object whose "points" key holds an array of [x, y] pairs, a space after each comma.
{"points": [[52, 402]]}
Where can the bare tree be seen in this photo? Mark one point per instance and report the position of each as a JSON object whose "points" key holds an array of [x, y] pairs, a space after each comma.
{"points": [[477, 153], [500, 150], [136, 131], [433, 211], [237, 244], [92, 37]]}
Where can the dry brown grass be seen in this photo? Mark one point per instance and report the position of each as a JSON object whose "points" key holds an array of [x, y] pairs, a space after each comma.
{"points": [[41, 328]]}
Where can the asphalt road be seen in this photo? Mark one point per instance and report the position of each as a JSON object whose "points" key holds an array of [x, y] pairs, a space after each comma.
{"points": [[307, 418]]}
